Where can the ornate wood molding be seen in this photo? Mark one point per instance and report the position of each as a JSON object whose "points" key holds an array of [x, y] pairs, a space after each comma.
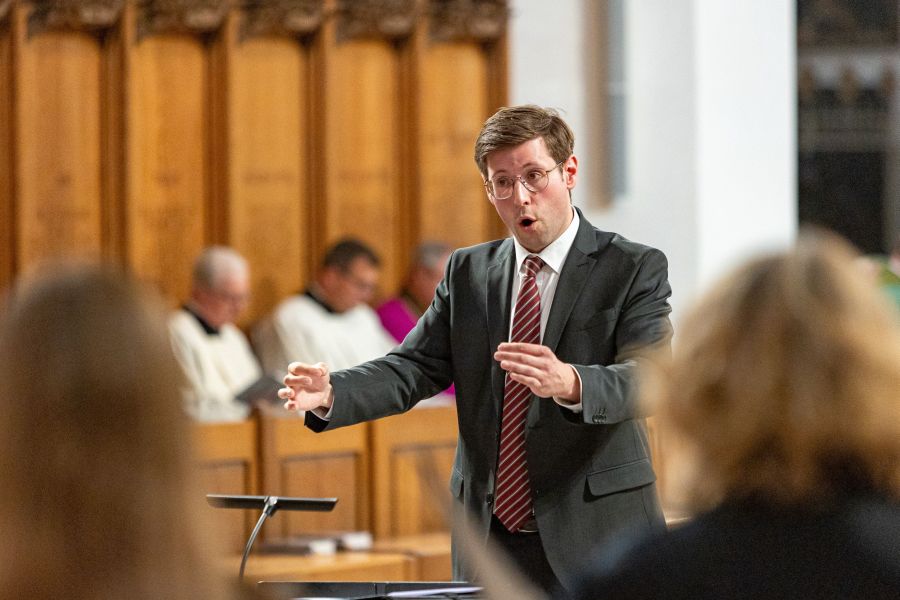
{"points": [[299, 18], [84, 15], [479, 20], [180, 16], [391, 19]]}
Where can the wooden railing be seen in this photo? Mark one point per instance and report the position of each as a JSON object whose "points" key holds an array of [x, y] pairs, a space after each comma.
{"points": [[371, 469]]}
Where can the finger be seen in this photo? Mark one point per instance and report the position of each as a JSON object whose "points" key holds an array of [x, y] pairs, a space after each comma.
{"points": [[286, 393], [523, 369], [290, 405], [295, 381], [532, 349], [533, 384], [513, 360], [323, 368], [299, 368]]}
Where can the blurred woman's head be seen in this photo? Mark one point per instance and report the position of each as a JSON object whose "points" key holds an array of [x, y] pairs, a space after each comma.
{"points": [[97, 497], [785, 381]]}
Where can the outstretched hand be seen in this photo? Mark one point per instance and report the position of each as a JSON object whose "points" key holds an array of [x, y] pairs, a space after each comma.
{"points": [[538, 367], [306, 387]]}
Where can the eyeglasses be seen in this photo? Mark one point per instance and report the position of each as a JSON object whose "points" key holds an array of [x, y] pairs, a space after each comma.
{"points": [[535, 180], [232, 298], [362, 285]]}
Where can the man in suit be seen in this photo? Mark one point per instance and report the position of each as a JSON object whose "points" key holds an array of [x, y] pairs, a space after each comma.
{"points": [[553, 459]]}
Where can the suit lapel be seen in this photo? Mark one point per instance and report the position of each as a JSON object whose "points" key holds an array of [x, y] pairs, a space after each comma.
{"points": [[499, 283], [572, 279]]}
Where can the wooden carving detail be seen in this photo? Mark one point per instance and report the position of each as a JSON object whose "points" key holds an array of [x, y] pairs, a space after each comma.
{"points": [[479, 20], [391, 19], [299, 18], [181, 16], [89, 15]]}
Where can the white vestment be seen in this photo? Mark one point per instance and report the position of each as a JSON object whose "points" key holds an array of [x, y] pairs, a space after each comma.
{"points": [[303, 330], [217, 366]]}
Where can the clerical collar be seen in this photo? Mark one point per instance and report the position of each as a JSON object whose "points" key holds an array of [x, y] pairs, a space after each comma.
{"points": [[209, 329], [315, 298]]}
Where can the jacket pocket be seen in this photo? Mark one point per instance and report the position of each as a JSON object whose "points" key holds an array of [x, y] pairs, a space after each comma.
{"points": [[456, 483], [624, 477]]}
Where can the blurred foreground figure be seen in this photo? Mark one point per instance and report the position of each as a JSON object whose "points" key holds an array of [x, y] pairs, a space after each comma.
{"points": [[784, 393], [889, 273], [96, 500]]}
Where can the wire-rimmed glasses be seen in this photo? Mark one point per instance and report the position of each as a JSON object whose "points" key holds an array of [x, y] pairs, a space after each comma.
{"points": [[533, 180]]}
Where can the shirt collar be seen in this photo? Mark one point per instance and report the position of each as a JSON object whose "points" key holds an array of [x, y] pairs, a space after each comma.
{"points": [[316, 297], [555, 253], [209, 329]]}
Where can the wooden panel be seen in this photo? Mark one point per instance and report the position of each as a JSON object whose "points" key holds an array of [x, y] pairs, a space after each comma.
{"points": [[362, 195], [298, 462], [402, 503], [167, 172], [431, 552], [58, 130], [344, 566], [452, 205], [7, 230], [268, 170], [227, 454]]}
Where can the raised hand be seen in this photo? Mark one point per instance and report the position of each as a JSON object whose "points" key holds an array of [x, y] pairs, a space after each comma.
{"points": [[306, 387], [537, 367]]}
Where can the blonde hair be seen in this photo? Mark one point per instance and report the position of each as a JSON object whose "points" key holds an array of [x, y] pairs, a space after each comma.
{"points": [[785, 382], [97, 499]]}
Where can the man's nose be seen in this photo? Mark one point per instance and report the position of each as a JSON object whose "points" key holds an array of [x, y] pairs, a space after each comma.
{"points": [[521, 195]]}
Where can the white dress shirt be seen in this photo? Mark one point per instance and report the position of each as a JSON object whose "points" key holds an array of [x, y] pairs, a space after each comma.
{"points": [[554, 256]]}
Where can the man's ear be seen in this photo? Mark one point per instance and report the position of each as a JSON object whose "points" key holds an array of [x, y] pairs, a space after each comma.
{"points": [[570, 171]]}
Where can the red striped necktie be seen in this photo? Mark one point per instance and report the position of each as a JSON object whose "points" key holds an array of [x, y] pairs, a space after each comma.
{"points": [[512, 504]]}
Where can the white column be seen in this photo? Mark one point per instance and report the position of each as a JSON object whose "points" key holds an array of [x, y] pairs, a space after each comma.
{"points": [[711, 153]]}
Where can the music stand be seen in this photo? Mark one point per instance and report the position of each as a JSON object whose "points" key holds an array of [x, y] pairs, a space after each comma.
{"points": [[269, 505]]}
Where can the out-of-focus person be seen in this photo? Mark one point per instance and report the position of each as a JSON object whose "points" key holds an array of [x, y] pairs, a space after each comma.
{"points": [[220, 368], [330, 320], [400, 314], [98, 498], [784, 398]]}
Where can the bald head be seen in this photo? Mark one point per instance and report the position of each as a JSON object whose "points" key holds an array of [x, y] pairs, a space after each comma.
{"points": [[426, 271], [221, 285]]}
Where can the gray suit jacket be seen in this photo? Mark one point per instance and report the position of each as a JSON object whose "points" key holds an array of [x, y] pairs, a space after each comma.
{"points": [[590, 472]]}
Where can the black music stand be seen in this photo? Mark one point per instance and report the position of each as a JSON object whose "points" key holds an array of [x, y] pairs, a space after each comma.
{"points": [[269, 505]]}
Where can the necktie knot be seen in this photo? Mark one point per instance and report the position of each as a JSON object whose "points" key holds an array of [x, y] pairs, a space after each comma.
{"points": [[532, 265]]}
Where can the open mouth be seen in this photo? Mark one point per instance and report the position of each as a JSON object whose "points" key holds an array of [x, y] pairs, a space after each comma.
{"points": [[526, 222]]}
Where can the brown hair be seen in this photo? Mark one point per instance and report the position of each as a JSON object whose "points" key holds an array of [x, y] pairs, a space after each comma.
{"points": [[785, 381], [97, 498], [514, 125], [342, 254]]}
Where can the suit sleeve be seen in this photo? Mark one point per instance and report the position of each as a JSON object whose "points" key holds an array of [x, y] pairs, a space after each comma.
{"points": [[418, 368], [608, 393]]}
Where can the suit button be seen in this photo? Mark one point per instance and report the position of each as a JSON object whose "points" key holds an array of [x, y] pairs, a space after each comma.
{"points": [[489, 499]]}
